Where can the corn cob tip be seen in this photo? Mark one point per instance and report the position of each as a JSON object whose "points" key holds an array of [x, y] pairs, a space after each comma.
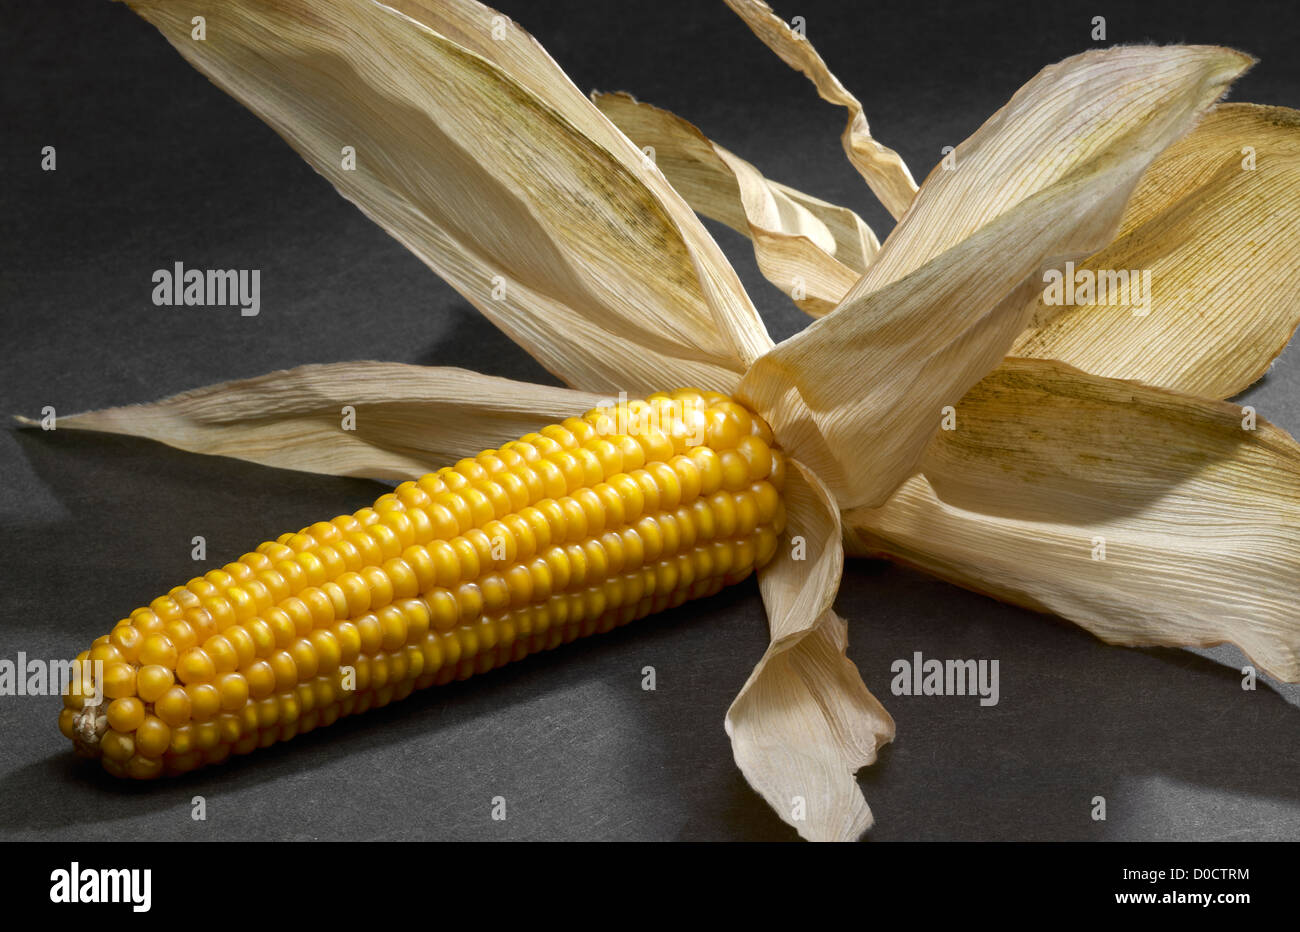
{"points": [[89, 725]]}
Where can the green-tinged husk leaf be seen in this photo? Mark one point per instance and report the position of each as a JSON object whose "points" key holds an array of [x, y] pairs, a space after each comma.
{"points": [[1147, 516], [515, 190], [811, 250]]}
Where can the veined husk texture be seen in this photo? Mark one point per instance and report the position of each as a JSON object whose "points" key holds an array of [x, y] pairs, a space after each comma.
{"points": [[405, 420], [1213, 227], [1148, 516], [473, 151], [859, 393], [1209, 223], [813, 251]]}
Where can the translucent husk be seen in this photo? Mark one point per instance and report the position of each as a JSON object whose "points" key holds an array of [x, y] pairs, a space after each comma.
{"points": [[813, 251]]}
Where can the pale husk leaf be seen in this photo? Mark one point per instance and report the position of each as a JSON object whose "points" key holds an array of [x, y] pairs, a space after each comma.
{"points": [[855, 243], [503, 42], [1220, 244], [1098, 106], [882, 168], [408, 419], [1200, 518], [812, 250], [858, 394], [804, 722], [516, 191]]}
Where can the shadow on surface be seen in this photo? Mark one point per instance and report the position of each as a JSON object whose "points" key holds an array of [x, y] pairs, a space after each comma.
{"points": [[1076, 719]]}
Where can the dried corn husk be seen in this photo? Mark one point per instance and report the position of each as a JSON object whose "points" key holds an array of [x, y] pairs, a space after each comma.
{"points": [[947, 294], [373, 419], [881, 167], [1214, 221], [804, 722], [1213, 232], [478, 175], [811, 250], [1090, 112], [1147, 516]]}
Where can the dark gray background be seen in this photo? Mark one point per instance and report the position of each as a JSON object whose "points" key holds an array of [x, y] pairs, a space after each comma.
{"points": [[155, 165]]}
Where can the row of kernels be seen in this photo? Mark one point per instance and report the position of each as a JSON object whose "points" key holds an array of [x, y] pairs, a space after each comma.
{"points": [[561, 566], [547, 465], [521, 533], [554, 636], [402, 644], [156, 749], [445, 564], [215, 749], [720, 516], [477, 648], [385, 669], [560, 460], [666, 576], [715, 420], [278, 570]]}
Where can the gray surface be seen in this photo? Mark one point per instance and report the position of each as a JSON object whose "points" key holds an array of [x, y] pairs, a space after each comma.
{"points": [[157, 165]]}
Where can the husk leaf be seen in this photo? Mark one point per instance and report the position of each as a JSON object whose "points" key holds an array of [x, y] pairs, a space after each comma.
{"points": [[804, 722], [1099, 106], [1197, 519], [811, 250], [528, 202], [1219, 241], [1225, 267], [882, 168], [408, 419], [858, 394]]}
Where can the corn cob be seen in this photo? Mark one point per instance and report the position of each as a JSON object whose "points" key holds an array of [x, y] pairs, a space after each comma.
{"points": [[576, 529]]}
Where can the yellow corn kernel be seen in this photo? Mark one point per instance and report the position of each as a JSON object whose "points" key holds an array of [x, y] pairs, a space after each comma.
{"points": [[173, 706], [574, 530], [125, 715]]}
